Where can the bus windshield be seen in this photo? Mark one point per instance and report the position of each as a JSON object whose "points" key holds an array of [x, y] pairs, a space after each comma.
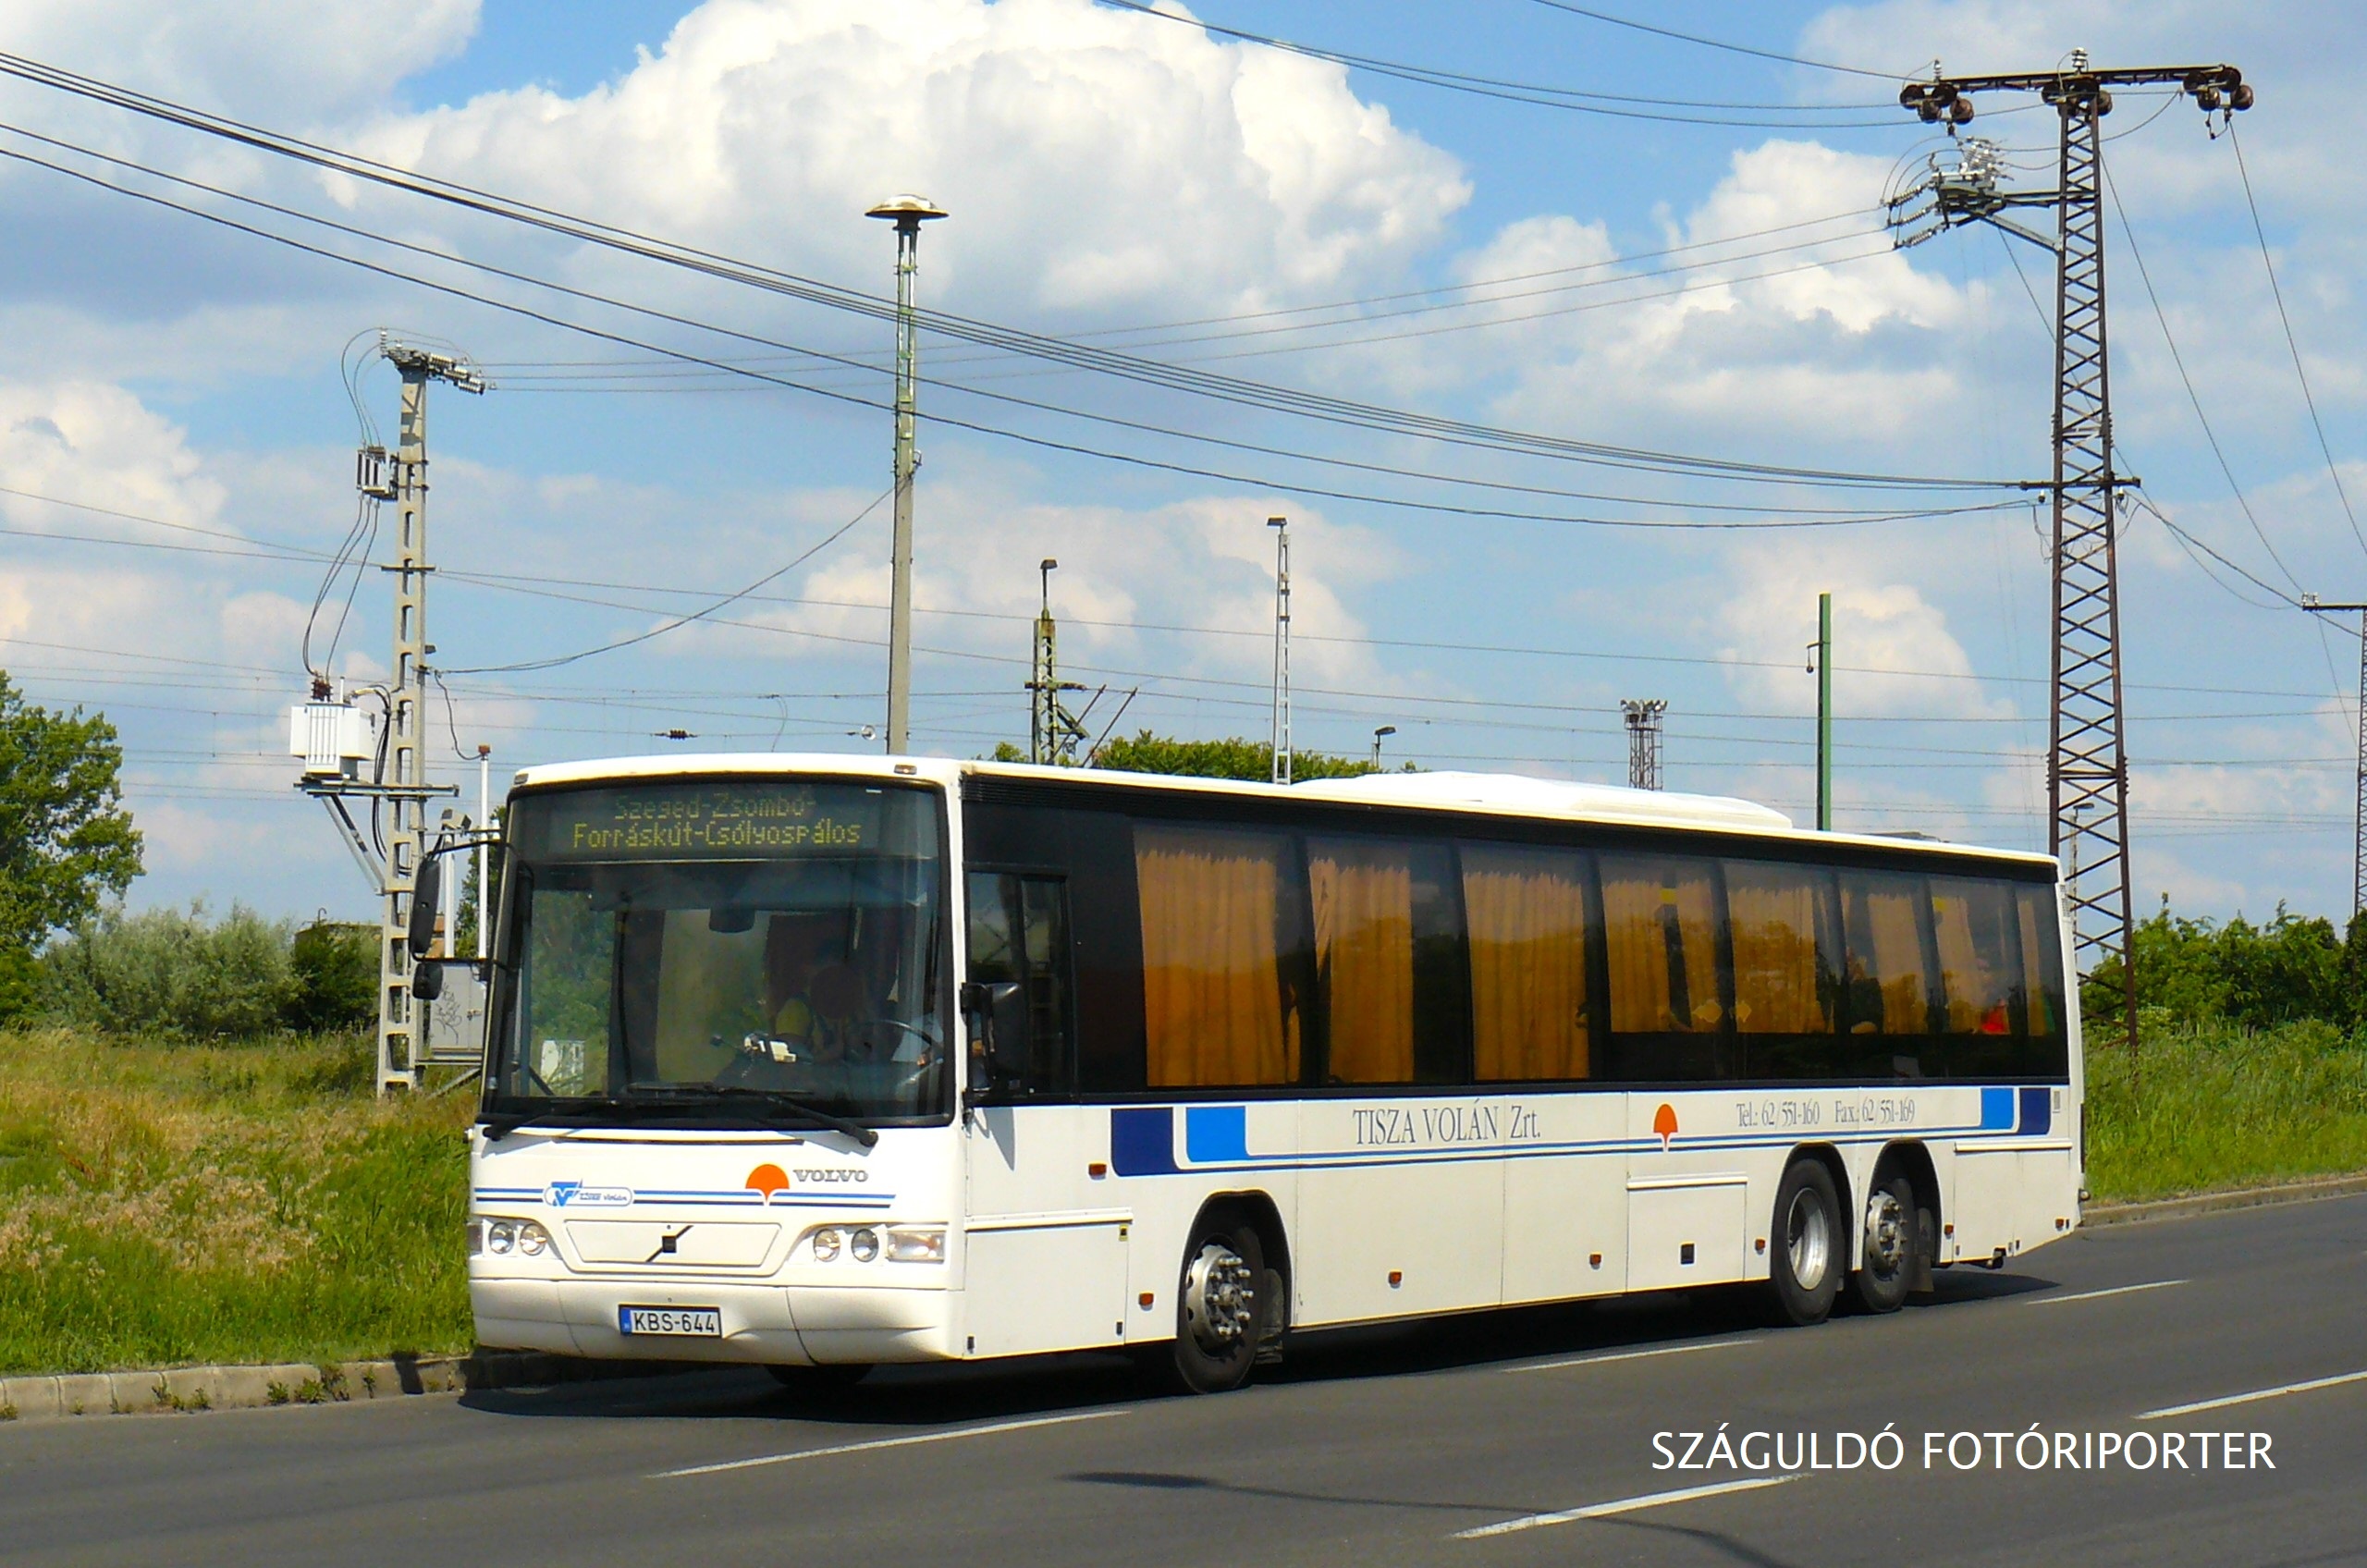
{"points": [[756, 948]]}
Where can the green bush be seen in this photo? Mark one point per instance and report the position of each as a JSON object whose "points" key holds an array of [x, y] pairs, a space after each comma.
{"points": [[2198, 972], [172, 973], [333, 969]]}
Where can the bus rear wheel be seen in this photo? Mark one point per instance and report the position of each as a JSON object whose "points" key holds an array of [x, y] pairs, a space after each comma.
{"points": [[1891, 1242], [1805, 1273], [1219, 1308]]}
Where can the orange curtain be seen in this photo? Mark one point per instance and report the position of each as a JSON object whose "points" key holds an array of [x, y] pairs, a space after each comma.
{"points": [[1969, 918], [1652, 910], [1362, 896], [1212, 1000], [2042, 940], [1528, 912], [1887, 948], [1774, 912]]}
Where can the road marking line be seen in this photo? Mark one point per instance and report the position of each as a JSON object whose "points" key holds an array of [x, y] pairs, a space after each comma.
{"points": [[884, 1442], [1625, 1505], [2116, 1291], [2281, 1390], [1633, 1354]]}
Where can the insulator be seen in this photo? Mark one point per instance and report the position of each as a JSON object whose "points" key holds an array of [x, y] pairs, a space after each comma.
{"points": [[2104, 103], [1927, 112], [2241, 98], [1961, 111], [2208, 97]]}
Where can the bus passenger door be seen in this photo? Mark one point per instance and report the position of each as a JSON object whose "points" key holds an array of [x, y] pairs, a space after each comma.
{"points": [[1044, 1259]]}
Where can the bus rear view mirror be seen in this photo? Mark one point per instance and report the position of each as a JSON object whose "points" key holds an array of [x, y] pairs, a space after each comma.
{"points": [[427, 979], [426, 899], [997, 1014]]}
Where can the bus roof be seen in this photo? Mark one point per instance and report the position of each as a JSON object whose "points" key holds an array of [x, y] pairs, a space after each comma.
{"points": [[1506, 794]]}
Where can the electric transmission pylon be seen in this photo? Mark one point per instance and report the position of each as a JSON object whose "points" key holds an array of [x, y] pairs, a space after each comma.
{"points": [[2315, 606], [2087, 763]]}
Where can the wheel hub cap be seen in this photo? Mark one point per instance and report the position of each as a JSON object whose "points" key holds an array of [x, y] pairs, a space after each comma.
{"points": [[1885, 1234], [1807, 1241], [1219, 1303]]}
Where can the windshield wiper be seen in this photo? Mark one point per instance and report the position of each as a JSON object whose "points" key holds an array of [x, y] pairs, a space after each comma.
{"points": [[713, 1093]]}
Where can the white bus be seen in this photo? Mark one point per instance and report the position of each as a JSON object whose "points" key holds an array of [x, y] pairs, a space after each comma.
{"points": [[822, 1063]]}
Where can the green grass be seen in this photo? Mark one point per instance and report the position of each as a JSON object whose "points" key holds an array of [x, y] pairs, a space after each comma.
{"points": [[2218, 1106], [241, 1203]]}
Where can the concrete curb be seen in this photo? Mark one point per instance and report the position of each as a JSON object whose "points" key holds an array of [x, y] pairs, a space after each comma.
{"points": [[189, 1388], [2215, 1203]]}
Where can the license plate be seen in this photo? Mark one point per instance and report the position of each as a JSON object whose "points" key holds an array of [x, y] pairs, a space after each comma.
{"points": [[680, 1322]]}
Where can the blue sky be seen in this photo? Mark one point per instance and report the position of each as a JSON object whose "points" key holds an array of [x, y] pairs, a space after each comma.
{"points": [[1111, 172]]}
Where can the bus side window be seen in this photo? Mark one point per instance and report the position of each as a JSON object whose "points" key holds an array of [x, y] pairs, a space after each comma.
{"points": [[1661, 918], [1019, 933], [2047, 1052], [1531, 997], [1887, 989], [1389, 960], [1785, 925], [1987, 1012], [1225, 956]]}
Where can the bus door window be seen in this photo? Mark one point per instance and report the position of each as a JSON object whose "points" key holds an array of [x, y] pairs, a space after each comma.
{"points": [[1986, 1013], [1389, 960], [1785, 922], [1019, 935], [1531, 997], [1661, 923], [1891, 992], [2048, 1050]]}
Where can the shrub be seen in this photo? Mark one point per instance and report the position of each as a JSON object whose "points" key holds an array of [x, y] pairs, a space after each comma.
{"points": [[170, 972], [333, 969], [2194, 973]]}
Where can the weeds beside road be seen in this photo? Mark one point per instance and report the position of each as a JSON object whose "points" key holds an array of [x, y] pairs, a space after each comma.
{"points": [[163, 1204], [168, 1203]]}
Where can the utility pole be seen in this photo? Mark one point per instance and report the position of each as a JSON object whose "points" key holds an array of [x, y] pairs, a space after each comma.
{"points": [[1282, 742], [2311, 603], [908, 212], [2087, 762], [1053, 734], [1824, 713], [1644, 740]]}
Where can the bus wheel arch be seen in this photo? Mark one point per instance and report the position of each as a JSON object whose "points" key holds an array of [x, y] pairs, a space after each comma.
{"points": [[1808, 1242]]}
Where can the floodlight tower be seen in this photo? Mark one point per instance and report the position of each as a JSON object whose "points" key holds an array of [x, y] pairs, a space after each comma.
{"points": [[907, 212]]}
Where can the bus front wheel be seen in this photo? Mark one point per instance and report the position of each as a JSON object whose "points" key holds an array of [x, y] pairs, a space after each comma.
{"points": [[1219, 1307], [1810, 1257]]}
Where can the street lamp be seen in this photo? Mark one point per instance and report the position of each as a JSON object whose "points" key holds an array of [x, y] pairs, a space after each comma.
{"points": [[1385, 729], [907, 212]]}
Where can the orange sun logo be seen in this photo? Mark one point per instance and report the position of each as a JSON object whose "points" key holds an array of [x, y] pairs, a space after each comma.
{"points": [[767, 1180], [1664, 1123]]}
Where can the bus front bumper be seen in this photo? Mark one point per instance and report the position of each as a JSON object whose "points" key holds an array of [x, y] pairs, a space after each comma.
{"points": [[769, 1324]]}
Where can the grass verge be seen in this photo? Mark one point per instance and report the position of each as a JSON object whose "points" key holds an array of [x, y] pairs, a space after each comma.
{"points": [[2215, 1107], [234, 1202]]}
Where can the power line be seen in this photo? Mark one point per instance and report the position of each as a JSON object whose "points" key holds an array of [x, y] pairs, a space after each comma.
{"points": [[1720, 44]]}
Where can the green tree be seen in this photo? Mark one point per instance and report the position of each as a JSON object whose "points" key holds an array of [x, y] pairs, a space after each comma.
{"points": [[65, 842], [332, 971], [1234, 758]]}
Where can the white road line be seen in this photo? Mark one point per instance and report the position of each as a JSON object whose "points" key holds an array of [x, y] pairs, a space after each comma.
{"points": [[2278, 1392], [884, 1442], [2116, 1291], [1632, 1355], [1625, 1505]]}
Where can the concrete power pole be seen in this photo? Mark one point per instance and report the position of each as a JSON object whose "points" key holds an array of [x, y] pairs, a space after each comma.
{"points": [[1644, 740], [2088, 764], [908, 212], [2311, 603], [402, 1047], [1824, 713], [1282, 737]]}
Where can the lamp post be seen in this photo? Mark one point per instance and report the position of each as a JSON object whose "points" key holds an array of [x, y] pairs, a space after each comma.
{"points": [[1385, 729], [907, 212]]}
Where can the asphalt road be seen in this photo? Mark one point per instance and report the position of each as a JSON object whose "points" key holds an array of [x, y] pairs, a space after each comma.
{"points": [[1373, 1448]]}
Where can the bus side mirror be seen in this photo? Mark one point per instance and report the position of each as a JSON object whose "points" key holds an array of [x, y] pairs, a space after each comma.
{"points": [[427, 888], [998, 1013]]}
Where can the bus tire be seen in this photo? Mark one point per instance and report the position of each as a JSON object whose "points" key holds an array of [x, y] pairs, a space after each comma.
{"points": [[1808, 1257], [1217, 1313], [1891, 1242], [812, 1382]]}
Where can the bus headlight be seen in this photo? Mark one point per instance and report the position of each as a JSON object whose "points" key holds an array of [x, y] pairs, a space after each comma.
{"points": [[826, 1245], [502, 1237], [915, 1244], [864, 1245]]}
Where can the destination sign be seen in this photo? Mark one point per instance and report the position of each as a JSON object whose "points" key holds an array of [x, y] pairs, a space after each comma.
{"points": [[724, 820]]}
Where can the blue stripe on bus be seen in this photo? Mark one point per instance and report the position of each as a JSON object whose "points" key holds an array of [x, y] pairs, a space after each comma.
{"points": [[1142, 1143], [1996, 1110], [1214, 1132], [2038, 1112]]}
